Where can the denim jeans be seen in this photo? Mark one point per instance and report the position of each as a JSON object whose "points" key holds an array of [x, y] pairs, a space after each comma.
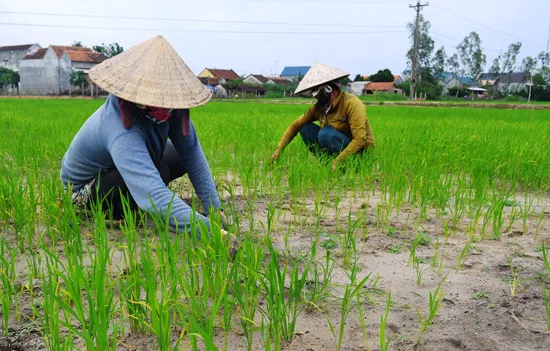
{"points": [[327, 139], [111, 183]]}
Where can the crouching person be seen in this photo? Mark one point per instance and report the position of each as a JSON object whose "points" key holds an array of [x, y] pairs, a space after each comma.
{"points": [[343, 128], [142, 138]]}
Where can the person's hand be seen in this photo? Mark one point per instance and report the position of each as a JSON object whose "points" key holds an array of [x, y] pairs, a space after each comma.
{"points": [[222, 217], [275, 156], [231, 242], [334, 165]]}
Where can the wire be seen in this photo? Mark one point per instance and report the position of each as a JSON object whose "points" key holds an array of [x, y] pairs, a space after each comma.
{"points": [[440, 8], [196, 20], [191, 30], [346, 2]]}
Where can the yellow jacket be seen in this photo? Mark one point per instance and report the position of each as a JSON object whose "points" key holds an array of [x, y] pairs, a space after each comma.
{"points": [[348, 115]]}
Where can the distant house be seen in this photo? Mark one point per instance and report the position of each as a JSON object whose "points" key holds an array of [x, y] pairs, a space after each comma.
{"points": [[47, 71], [512, 82], [291, 72], [277, 80], [387, 87], [10, 56], [406, 75], [397, 80], [487, 79], [449, 80], [255, 79], [225, 74], [357, 88]]}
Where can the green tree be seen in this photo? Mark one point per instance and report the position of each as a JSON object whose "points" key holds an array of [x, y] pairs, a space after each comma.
{"points": [[78, 78], [425, 44], [77, 43], [109, 50], [439, 62], [8, 78], [471, 55], [454, 67], [544, 69], [382, 76], [234, 83], [504, 64], [358, 78]]}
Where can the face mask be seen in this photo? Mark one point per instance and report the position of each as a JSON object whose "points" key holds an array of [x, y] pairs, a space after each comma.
{"points": [[156, 114], [324, 98]]}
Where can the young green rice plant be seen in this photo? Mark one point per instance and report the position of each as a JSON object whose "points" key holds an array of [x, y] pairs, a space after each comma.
{"points": [[384, 342], [539, 224], [131, 279], [435, 256], [319, 286], [351, 291], [419, 272], [526, 210], [514, 280], [434, 305], [349, 246], [546, 299], [247, 288], [282, 314], [52, 318], [89, 290], [513, 217], [7, 280], [463, 255]]}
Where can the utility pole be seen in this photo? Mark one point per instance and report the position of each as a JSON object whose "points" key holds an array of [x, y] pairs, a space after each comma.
{"points": [[417, 7], [548, 44]]}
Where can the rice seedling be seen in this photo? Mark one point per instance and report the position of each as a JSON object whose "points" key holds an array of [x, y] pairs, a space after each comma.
{"points": [[298, 257], [7, 280], [383, 341], [434, 305], [514, 279]]}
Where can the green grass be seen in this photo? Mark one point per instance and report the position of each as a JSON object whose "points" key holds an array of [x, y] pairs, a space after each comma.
{"points": [[464, 163]]}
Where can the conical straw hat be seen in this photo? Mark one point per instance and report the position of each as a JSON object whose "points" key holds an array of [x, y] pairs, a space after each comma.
{"points": [[151, 74], [319, 74]]}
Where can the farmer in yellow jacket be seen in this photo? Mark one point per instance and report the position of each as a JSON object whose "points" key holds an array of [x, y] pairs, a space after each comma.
{"points": [[344, 128]]}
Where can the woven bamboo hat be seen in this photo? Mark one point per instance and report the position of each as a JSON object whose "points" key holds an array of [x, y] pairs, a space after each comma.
{"points": [[151, 74], [317, 75]]}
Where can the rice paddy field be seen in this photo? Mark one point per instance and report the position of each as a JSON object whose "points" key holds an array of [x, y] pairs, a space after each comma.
{"points": [[436, 240]]}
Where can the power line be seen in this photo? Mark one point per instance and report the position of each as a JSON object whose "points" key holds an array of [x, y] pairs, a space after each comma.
{"points": [[346, 2], [194, 30], [196, 20], [457, 41], [440, 8]]}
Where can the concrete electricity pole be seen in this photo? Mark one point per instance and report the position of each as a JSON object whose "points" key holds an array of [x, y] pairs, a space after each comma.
{"points": [[548, 44], [417, 7]]}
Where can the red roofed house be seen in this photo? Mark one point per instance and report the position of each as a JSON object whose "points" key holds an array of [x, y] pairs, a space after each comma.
{"points": [[255, 79], [47, 71], [386, 87], [214, 76], [277, 80]]}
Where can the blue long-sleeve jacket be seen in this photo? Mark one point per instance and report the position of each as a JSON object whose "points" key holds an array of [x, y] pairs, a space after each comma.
{"points": [[103, 143]]}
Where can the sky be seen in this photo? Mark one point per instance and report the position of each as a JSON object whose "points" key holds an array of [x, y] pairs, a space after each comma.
{"points": [[263, 36]]}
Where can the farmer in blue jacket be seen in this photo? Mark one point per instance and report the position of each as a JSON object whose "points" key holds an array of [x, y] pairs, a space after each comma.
{"points": [[142, 138]]}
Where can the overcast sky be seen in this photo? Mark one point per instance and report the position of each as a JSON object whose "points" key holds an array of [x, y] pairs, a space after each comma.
{"points": [[358, 36]]}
